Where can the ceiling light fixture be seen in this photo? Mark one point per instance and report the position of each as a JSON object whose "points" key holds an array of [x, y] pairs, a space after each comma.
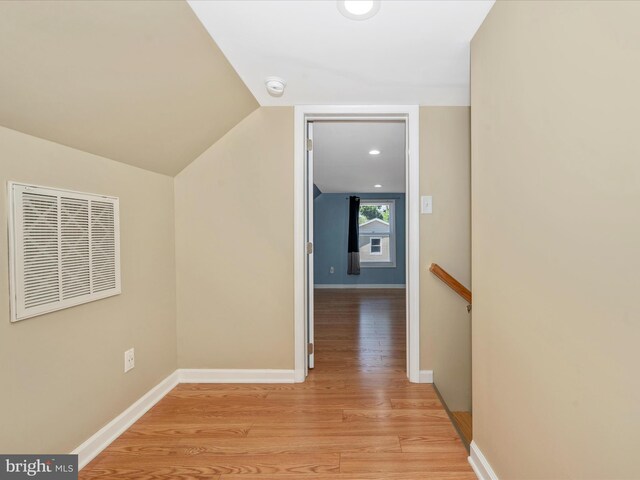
{"points": [[377, 185], [374, 152], [358, 9], [275, 86]]}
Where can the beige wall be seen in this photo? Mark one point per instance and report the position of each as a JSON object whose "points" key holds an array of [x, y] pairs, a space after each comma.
{"points": [[234, 248], [62, 373], [445, 239], [556, 239], [141, 82]]}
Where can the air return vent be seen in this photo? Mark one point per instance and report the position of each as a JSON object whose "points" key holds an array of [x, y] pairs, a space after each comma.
{"points": [[64, 249]]}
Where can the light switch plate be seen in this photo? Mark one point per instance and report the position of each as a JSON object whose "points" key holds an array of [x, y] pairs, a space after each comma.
{"points": [[426, 204]]}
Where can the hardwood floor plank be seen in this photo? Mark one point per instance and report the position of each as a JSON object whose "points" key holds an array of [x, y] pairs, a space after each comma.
{"points": [[229, 416], [447, 442], [186, 390], [330, 401], [222, 464], [151, 473], [260, 409], [149, 430], [412, 403], [413, 415], [187, 446], [328, 384], [345, 429], [465, 424], [404, 462]]}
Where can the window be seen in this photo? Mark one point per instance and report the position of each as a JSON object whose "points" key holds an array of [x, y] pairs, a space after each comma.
{"points": [[376, 247], [64, 249], [377, 233]]}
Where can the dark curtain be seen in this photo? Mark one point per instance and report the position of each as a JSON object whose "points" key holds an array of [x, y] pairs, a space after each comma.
{"points": [[353, 259]]}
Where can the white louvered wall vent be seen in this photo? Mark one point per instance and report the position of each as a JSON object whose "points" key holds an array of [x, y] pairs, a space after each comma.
{"points": [[64, 249]]}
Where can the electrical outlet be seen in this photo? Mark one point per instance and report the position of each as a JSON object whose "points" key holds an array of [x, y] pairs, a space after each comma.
{"points": [[331, 270], [129, 360]]}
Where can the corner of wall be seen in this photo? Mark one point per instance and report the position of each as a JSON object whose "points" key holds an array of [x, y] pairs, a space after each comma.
{"points": [[247, 171]]}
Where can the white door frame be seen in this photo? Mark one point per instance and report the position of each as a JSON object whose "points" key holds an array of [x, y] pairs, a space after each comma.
{"points": [[411, 115], [310, 255]]}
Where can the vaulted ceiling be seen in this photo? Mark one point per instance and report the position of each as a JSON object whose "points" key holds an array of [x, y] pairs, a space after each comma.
{"points": [[411, 52], [140, 82], [145, 83]]}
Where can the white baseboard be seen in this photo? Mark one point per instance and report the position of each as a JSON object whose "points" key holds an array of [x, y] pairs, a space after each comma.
{"points": [[480, 464], [359, 285], [116, 427], [201, 375], [112, 430], [426, 376]]}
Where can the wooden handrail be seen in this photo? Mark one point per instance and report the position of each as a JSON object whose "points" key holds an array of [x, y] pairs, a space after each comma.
{"points": [[455, 285]]}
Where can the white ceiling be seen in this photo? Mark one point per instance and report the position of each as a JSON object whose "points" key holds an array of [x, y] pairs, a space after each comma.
{"points": [[342, 162], [411, 52]]}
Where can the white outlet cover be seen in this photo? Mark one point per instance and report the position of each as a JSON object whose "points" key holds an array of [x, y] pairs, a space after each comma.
{"points": [[129, 360], [426, 204]]}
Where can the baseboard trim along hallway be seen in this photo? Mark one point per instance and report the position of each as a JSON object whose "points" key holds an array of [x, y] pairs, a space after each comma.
{"points": [[358, 285], [426, 376], [480, 465], [116, 427], [189, 375]]}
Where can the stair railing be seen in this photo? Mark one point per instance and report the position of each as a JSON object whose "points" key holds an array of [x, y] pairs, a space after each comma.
{"points": [[452, 283]]}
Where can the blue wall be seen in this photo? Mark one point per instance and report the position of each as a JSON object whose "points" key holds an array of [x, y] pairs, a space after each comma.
{"points": [[330, 226]]}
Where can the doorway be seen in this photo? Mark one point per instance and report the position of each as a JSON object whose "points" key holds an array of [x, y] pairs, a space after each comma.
{"points": [[377, 245]]}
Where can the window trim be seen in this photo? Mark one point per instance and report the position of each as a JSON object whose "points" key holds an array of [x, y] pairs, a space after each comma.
{"points": [[392, 233]]}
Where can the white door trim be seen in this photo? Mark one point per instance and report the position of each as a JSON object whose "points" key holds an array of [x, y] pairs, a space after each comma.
{"points": [[310, 255], [410, 114]]}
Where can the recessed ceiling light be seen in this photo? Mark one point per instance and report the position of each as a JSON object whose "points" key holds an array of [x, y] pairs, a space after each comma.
{"points": [[377, 185], [358, 9], [374, 152]]}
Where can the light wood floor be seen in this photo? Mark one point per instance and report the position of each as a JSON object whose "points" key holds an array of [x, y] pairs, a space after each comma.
{"points": [[355, 418], [465, 424]]}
